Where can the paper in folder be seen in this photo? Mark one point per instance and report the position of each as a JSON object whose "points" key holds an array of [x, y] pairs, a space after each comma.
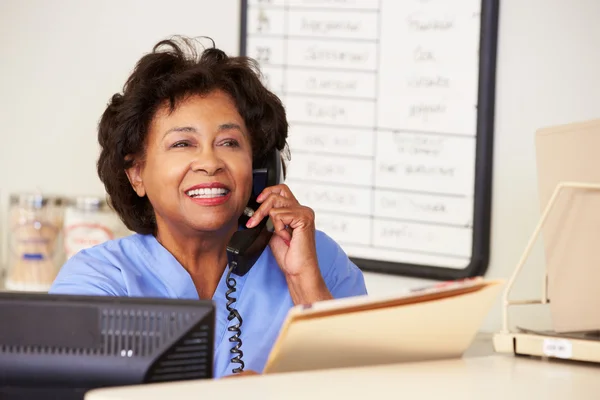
{"points": [[425, 324]]}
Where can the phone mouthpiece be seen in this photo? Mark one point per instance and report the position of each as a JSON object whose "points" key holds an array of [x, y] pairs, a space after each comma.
{"points": [[248, 212]]}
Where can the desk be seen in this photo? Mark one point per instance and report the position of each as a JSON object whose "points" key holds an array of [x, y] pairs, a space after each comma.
{"points": [[487, 377]]}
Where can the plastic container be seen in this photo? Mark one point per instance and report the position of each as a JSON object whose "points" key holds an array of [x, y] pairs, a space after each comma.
{"points": [[34, 228], [89, 221]]}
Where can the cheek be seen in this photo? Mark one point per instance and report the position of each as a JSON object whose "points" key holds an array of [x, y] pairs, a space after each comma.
{"points": [[164, 174], [243, 177], [246, 180]]}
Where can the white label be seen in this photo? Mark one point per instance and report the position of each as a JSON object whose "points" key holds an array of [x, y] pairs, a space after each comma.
{"points": [[85, 229], [560, 348], [84, 235]]}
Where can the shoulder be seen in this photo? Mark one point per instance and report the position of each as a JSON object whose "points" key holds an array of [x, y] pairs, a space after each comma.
{"points": [[116, 252], [99, 269], [342, 276]]}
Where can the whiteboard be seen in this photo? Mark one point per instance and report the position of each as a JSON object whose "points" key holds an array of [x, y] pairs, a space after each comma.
{"points": [[390, 105]]}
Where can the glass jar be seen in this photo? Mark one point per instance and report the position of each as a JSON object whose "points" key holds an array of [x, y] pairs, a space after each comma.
{"points": [[34, 241], [89, 221]]}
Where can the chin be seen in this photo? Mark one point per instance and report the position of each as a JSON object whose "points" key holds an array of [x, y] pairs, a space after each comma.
{"points": [[215, 226]]}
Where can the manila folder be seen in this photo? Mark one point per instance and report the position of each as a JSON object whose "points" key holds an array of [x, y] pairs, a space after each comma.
{"points": [[427, 324]]}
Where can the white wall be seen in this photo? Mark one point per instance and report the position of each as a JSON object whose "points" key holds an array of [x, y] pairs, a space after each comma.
{"points": [[60, 62], [62, 59]]}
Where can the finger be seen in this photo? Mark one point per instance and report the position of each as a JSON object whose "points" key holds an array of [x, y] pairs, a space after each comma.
{"points": [[300, 223], [293, 218], [281, 229], [272, 201], [279, 248], [282, 190]]}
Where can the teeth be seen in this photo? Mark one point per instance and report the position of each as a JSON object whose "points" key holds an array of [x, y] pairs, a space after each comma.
{"points": [[207, 193]]}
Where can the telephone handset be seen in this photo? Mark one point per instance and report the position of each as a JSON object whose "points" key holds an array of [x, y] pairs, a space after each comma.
{"points": [[247, 244]]}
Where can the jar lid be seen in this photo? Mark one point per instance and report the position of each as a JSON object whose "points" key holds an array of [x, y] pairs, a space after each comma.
{"points": [[89, 203], [35, 200]]}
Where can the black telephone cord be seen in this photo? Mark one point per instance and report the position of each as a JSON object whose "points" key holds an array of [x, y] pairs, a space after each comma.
{"points": [[234, 314]]}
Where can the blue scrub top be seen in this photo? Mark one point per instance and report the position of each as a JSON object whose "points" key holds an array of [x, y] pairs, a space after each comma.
{"points": [[138, 265]]}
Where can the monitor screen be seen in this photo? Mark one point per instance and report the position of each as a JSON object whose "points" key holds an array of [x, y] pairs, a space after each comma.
{"points": [[60, 346]]}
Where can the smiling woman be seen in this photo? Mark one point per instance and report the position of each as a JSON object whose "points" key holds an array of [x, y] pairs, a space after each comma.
{"points": [[201, 146], [178, 148]]}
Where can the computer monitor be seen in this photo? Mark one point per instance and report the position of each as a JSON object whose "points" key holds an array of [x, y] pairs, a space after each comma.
{"points": [[60, 346]]}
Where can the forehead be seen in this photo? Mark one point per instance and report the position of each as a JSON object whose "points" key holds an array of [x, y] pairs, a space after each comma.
{"points": [[214, 108]]}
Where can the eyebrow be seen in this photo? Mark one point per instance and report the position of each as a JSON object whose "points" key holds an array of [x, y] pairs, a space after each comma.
{"points": [[229, 126], [223, 127]]}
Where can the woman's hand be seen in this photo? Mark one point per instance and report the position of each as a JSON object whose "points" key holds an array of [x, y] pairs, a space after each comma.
{"points": [[243, 373], [293, 243]]}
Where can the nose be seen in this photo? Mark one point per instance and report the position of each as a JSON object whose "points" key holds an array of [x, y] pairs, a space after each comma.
{"points": [[207, 161]]}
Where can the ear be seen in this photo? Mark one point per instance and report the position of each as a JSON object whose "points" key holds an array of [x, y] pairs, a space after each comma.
{"points": [[134, 174]]}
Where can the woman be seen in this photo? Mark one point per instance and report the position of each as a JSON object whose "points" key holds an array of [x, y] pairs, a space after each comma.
{"points": [[177, 152]]}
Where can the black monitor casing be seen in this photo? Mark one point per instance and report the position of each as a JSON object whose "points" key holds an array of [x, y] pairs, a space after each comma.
{"points": [[60, 346]]}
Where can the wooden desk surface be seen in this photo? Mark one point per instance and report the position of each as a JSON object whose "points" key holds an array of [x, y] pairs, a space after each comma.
{"points": [[479, 377]]}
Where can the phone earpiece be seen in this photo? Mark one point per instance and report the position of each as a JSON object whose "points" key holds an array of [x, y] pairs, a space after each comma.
{"points": [[247, 244]]}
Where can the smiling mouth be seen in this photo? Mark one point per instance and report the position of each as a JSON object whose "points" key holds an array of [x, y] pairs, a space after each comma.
{"points": [[208, 193]]}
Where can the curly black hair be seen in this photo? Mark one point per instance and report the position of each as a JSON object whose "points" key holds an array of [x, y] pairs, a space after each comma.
{"points": [[174, 70]]}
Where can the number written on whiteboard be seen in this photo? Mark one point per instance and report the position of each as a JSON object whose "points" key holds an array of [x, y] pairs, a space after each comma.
{"points": [[263, 24], [263, 54]]}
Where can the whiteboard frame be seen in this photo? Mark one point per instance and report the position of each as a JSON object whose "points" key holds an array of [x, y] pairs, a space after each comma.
{"points": [[482, 204]]}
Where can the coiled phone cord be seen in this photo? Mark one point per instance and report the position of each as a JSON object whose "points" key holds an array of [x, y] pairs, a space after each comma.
{"points": [[234, 314]]}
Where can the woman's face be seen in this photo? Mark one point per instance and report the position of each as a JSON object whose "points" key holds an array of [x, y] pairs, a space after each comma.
{"points": [[197, 172]]}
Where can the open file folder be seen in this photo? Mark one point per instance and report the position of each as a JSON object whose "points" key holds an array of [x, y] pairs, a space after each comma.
{"points": [[431, 323]]}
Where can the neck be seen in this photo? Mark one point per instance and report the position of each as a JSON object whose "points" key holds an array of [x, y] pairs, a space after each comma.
{"points": [[202, 254]]}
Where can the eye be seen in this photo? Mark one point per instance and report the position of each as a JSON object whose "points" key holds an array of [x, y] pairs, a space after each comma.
{"points": [[181, 143], [230, 143]]}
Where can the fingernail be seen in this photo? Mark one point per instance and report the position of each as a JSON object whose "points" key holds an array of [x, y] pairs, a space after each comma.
{"points": [[249, 223]]}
